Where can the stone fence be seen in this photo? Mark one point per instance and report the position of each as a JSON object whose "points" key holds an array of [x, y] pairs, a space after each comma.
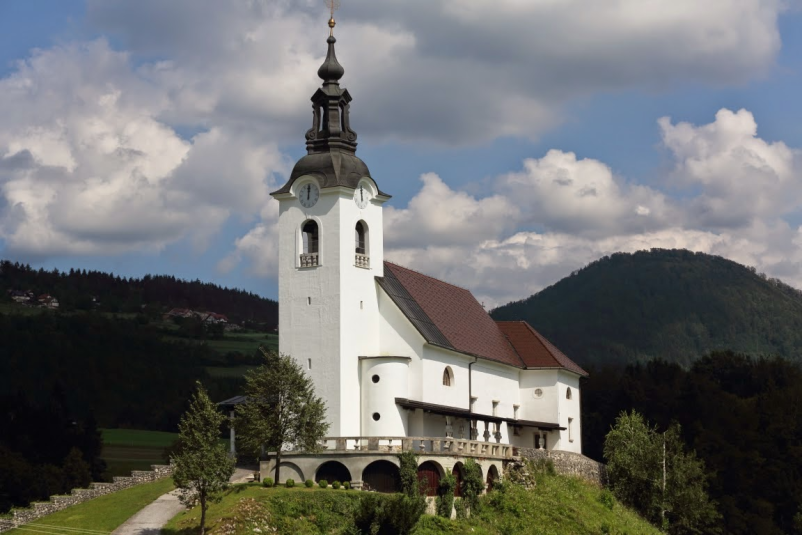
{"points": [[572, 464], [420, 445], [17, 517]]}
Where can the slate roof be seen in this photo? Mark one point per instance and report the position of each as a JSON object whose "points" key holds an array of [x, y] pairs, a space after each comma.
{"points": [[534, 349], [449, 316]]}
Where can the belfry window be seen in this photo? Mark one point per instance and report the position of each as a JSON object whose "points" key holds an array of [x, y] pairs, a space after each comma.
{"points": [[309, 237], [448, 376], [361, 258], [360, 237]]}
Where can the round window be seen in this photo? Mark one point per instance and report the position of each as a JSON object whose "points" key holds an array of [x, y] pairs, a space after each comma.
{"points": [[538, 393], [376, 416], [375, 378]]}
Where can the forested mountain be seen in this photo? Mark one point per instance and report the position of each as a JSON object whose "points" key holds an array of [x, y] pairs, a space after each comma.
{"points": [[95, 290], [670, 304]]}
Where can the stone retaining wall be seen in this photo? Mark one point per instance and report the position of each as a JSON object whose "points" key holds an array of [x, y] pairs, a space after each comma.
{"points": [[17, 517], [568, 463]]}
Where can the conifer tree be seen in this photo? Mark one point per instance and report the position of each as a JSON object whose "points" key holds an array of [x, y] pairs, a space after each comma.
{"points": [[202, 465]]}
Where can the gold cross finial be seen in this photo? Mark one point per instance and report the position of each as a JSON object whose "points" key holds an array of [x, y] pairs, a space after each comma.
{"points": [[333, 5]]}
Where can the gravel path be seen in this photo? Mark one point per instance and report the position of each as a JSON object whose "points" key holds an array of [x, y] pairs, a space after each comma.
{"points": [[150, 520]]}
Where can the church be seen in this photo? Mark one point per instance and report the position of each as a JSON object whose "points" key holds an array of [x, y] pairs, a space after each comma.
{"points": [[403, 360]]}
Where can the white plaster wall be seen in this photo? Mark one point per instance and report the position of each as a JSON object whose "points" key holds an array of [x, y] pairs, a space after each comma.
{"points": [[359, 307], [329, 313], [398, 337], [311, 331], [497, 382], [435, 360], [546, 407], [379, 397], [569, 408]]}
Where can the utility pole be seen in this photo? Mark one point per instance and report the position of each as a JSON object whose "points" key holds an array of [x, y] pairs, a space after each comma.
{"points": [[663, 500]]}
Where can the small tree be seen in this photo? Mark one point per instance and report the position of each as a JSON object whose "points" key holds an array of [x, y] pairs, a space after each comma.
{"points": [[652, 472], [202, 466], [281, 409]]}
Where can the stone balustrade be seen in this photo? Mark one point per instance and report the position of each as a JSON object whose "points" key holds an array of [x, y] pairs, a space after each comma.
{"points": [[421, 445], [362, 261], [309, 260]]}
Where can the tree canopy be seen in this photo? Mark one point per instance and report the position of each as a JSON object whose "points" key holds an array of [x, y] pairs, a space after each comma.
{"points": [[281, 409], [651, 472]]}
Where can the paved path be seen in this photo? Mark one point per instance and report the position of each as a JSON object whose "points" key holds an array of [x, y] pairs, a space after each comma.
{"points": [[150, 520]]}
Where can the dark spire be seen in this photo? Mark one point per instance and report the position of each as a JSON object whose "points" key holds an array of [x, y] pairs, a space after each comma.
{"points": [[331, 129], [331, 70], [330, 143]]}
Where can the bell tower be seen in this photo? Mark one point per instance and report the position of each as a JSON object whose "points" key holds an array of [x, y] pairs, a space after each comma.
{"points": [[330, 251]]}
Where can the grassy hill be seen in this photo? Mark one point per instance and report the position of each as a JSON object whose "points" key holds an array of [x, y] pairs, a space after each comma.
{"points": [[669, 304], [557, 505]]}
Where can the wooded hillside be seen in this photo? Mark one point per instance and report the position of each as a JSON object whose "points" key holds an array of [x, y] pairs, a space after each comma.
{"points": [[670, 304]]}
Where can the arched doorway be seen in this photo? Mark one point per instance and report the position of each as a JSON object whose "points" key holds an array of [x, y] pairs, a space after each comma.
{"points": [[333, 471], [492, 477], [381, 476], [429, 478], [459, 474]]}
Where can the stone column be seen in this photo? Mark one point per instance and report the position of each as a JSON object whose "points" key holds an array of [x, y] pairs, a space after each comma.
{"points": [[486, 434]]}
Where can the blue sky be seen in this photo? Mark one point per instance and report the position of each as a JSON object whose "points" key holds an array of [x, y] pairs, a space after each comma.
{"points": [[522, 142]]}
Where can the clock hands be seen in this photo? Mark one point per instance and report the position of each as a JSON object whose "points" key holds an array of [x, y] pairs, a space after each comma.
{"points": [[308, 191], [361, 193]]}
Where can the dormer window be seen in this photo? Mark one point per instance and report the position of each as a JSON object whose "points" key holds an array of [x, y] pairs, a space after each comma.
{"points": [[310, 238], [362, 259]]}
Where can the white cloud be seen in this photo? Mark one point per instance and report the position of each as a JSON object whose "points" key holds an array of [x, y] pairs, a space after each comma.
{"points": [[742, 176], [88, 167]]}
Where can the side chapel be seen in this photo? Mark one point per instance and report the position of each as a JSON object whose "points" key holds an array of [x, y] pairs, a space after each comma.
{"points": [[397, 354]]}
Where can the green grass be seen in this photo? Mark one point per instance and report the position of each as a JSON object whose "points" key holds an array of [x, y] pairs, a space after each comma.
{"points": [[245, 343], [133, 449], [16, 309], [558, 505], [105, 513]]}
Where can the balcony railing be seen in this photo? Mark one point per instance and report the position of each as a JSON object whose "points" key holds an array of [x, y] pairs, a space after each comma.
{"points": [[420, 445], [309, 260], [362, 261]]}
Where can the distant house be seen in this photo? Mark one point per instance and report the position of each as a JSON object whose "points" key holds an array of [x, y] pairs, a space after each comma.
{"points": [[48, 301], [212, 317], [22, 297], [179, 313]]}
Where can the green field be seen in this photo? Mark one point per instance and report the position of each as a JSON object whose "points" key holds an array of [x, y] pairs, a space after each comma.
{"points": [[103, 514], [132, 449], [245, 343]]}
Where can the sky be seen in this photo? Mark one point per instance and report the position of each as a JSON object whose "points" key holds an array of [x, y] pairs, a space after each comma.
{"points": [[520, 139]]}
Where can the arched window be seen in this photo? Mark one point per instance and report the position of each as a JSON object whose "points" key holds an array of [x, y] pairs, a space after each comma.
{"points": [[310, 237], [568, 393], [448, 376], [360, 233]]}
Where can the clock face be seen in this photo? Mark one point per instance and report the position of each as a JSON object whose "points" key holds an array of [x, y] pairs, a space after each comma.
{"points": [[308, 195], [361, 196]]}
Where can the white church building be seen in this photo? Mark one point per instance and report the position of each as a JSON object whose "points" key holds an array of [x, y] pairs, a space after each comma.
{"points": [[403, 360]]}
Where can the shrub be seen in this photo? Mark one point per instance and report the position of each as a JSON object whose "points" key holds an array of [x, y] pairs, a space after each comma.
{"points": [[472, 484], [267, 482], [309, 483], [323, 483], [290, 483], [347, 485], [462, 510], [445, 495], [335, 485], [606, 499]]}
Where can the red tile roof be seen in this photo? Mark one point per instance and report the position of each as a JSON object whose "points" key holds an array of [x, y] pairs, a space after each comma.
{"points": [[451, 317], [534, 349], [458, 316]]}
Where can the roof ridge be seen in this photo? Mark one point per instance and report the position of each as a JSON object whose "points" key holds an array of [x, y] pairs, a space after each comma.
{"points": [[429, 276]]}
